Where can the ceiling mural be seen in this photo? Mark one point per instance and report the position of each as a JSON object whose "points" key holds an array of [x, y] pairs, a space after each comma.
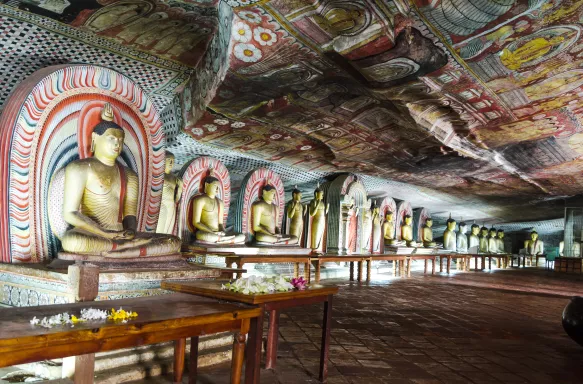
{"points": [[469, 98]]}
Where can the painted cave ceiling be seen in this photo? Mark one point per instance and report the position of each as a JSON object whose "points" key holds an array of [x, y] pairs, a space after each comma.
{"points": [[467, 97]]}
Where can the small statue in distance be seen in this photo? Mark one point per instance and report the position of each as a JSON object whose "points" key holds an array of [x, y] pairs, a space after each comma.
{"points": [[483, 240], [366, 229], [318, 211], [449, 235], [265, 215], [474, 239], [171, 193], [208, 215], [534, 246], [295, 213], [492, 241], [500, 241], [462, 238], [388, 229], [376, 228], [427, 234]]}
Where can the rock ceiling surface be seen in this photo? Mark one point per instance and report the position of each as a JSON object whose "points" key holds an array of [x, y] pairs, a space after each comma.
{"points": [[473, 98]]}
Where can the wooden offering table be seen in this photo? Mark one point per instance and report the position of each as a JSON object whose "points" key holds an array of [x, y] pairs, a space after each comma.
{"points": [[450, 256], [502, 260], [160, 319], [400, 262], [241, 260], [425, 258], [272, 303], [359, 259]]}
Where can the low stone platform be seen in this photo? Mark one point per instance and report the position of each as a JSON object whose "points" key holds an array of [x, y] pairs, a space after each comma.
{"points": [[245, 250]]}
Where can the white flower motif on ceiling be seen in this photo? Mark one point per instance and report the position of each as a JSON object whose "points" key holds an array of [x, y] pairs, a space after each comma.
{"points": [[238, 124], [264, 36], [221, 121], [241, 32], [250, 17], [275, 136], [305, 148], [197, 131], [247, 53], [210, 127]]}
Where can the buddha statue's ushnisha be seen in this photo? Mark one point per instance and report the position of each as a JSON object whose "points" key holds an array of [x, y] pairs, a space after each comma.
{"points": [[483, 240], [500, 241], [264, 220], [462, 238], [427, 233], [208, 215], [534, 246], [376, 228], [171, 193], [492, 241], [474, 239], [389, 229], [101, 202], [449, 236], [317, 211], [407, 232], [295, 213]]}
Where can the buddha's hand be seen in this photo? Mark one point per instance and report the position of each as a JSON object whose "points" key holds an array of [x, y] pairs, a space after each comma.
{"points": [[220, 233], [127, 234]]}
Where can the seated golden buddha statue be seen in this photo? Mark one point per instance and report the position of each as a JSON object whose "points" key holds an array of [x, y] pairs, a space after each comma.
{"points": [[461, 244], [407, 232], [534, 246], [388, 229], [295, 213], [427, 234], [449, 236], [208, 213], [264, 215], [474, 239], [318, 211], [483, 248], [101, 202], [500, 241], [492, 241], [171, 193]]}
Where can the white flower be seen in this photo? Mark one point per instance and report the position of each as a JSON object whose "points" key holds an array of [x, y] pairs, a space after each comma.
{"points": [[305, 147], [275, 136], [221, 121], [247, 53], [264, 36], [251, 17], [197, 131], [210, 127], [238, 124], [241, 32], [35, 321]]}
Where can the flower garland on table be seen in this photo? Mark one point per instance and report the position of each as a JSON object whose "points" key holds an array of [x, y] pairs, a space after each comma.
{"points": [[253, 285], [87, 314]]}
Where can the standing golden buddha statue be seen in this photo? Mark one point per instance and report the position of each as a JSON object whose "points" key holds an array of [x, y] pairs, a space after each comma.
{"points": [[101, 202], [265, 215], [389, 229], [317, 211], [296, 211], [208, 215], [171, 193], [376, 228], [366, 229]]}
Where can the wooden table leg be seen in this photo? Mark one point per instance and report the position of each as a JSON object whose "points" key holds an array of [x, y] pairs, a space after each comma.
{"points": [[318, 271], [425, 267], [448, 264], [179, 353], [433, 265], [238, 357], [240, 266], [490, 262], [395, 267], [440, 264], [272, 339], [483, 262], [193, 361], [351, 271], [297, 270], [308, 274], [359, 277], [325, 346], [254, 342], [85, 368], [368, 269], [408, 267]]}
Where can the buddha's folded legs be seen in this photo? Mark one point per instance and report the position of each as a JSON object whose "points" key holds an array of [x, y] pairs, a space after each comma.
{"points": [[147, 244], [285, 239], [78, 241], [209, 237]]}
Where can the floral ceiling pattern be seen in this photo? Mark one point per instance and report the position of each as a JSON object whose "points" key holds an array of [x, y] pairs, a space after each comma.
{"points": [[478, 97]]}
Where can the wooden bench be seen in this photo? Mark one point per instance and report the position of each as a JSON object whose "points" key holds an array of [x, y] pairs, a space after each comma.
{"points": [[160, 319], [360, 259], [449, 256], [241, 260], [400, 262]]}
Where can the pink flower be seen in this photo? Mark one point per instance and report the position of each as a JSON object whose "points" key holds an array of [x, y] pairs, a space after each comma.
{"points": [[299, 283]]}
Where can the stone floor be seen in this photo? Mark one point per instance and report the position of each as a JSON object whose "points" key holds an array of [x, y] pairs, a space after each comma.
{"points": [[477, 327]]}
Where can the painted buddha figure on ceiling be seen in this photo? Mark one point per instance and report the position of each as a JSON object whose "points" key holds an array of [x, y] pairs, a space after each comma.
{"points": [[171, 193], [295, 213], [462, 238], [528, 52], [388, 229], [449, 236], [407, 232], [264, 220], [474, 239], [101, 202], [427, 233], [208, 215], [317, 210]]}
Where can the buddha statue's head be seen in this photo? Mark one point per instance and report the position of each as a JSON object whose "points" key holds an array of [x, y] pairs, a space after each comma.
{"points": [[268, 194], [450, 223], [475, 229], [211, 186], [169, 162], [534, 235], [484, 231], [319, 194], [429, 222], [492, 232], [463, 227], [107, 137], [296, 195], [389, 216], [408, 219], [500, 234]]}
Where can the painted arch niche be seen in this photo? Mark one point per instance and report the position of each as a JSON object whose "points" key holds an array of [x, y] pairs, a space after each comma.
{"points": [[46, 124]]}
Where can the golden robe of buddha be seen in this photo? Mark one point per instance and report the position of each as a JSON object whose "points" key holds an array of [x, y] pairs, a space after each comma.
{"points": [[388, 229], [295, 213], [318, 211], [264, 222], [208, 213], [530, 51], [407, 232], [101, 202], [171, 193], [427, 233]]}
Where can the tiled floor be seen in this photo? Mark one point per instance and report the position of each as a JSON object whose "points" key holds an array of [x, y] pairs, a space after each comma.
{"points": [[443, 329]]}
